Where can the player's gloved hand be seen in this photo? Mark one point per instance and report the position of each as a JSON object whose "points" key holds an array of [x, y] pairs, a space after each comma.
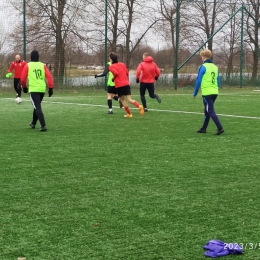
{"points": [[95, 76], [8, 74], [137, 80], [50, 91], [155, 78], [25, 90]]}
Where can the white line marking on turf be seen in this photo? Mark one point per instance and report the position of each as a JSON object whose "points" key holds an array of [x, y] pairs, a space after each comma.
{"points": [[199, 113], [151, 109]]}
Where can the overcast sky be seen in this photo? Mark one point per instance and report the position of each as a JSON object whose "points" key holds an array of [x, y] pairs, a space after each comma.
{"points": [[8, 16]]}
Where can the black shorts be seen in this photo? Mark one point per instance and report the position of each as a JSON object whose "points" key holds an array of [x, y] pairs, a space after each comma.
{"points": [[124, 91], [111, 90]]}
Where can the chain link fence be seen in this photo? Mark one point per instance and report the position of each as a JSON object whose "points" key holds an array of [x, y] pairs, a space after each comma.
{"points": [[21, 32]]}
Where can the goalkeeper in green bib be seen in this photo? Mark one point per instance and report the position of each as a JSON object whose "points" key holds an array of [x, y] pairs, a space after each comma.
{"points": [[209, 81], [111, 90]]}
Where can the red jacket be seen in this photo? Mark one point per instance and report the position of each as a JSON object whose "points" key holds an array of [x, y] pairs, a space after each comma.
{"points": [[120, 73], [17, 67], [48, 76], [147, 70]]}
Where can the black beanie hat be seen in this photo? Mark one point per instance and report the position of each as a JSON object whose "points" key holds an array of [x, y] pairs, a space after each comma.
{"points": [[34, 56]]}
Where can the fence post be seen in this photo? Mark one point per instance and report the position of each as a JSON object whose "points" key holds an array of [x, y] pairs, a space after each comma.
{"points": [[242, 48], [175, 73], [105, 57], [24, 30]]}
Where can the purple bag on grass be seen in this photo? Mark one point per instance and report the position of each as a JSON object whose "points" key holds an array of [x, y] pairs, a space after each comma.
{"points": [[217, 248]]}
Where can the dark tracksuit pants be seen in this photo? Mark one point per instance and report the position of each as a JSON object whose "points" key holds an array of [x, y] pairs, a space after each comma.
{"points": [[150, 88], [209, 111], [17, 87], [36, 98]]}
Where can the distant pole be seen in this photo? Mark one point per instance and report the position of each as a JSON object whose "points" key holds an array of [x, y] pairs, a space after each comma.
{"points": [[242, 48], [105, 58], [175, 73], [24, 30]]}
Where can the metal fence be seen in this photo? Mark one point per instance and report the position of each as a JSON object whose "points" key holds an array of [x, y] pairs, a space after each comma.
{"points": [[178, 65]]}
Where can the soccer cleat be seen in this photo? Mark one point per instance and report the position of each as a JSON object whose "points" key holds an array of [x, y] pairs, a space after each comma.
{"points": [[43, 129], [128, 116], [32, 125], [141, 109], [219, 131], [202, 131], [110, 112], [145, 110], [120, 104], [157, 98]]}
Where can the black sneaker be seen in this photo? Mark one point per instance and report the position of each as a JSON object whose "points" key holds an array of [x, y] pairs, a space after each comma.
{"points": [[110, 112], [145, 110], [120, 104], [32, 125], [202, 131], [219, 131], [43, 129], [157, 98]]}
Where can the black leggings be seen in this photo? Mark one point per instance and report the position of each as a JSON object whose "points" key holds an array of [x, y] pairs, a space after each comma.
{"points": [[150, 88], [36, 98], [17, 87]]}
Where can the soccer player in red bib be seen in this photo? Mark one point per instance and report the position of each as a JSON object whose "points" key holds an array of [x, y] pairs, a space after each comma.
{"points": [[122, 84], [17, 65]]}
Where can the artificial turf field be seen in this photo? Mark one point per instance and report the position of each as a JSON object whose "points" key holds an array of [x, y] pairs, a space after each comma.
{"points": [[98, 186]]}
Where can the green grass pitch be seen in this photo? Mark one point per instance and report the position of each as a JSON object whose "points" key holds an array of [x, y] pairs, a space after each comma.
{"points": [[98, 186]]}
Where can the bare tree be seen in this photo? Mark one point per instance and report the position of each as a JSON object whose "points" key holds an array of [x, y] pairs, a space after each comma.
{"points": [[98, 19], [168, 10], [3, 39], [113, 23], [203, 16], [168, 21], [252, 27], [131, 14], [230, 36], [52, 22], [127, 25]]}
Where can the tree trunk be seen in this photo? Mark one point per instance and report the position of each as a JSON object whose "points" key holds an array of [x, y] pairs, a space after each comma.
{"points": [[114, 26], [256, 51], [229, 66], [62, 60], [59, 62], [57, 52], [130, 4]]}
